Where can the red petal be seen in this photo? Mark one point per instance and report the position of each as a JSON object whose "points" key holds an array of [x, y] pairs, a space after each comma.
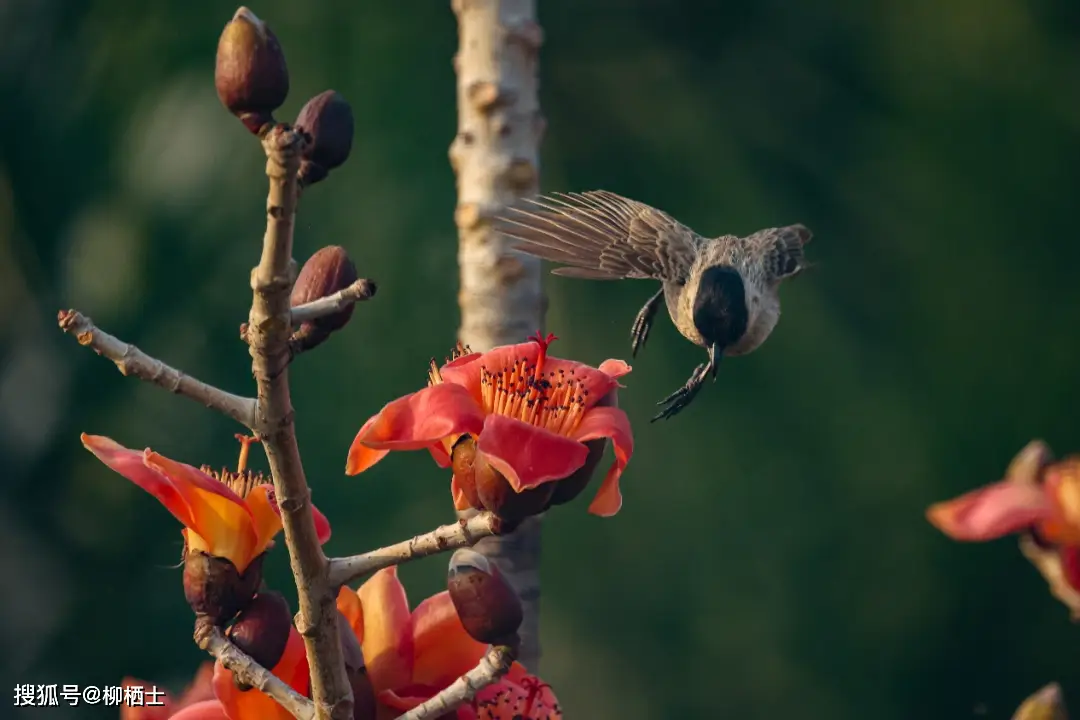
{"points": [[146, 712], [202, 710], [990, 512], [415, 422], [404, 702], [529, 698], [442, 650], [292, 668], [464, 493], [609, 422], [1070, 565], [614, 368], [129, 463], [526, 455], [387, 637]]}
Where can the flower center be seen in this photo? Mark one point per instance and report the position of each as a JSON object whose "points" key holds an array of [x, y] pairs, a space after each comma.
{"points": [[243, 480], [555, 401]]}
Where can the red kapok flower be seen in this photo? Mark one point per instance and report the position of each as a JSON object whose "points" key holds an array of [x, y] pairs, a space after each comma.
{"points": [[411, 656], [530, 413], [254, 704], [198, 693], [1036, 497], [230, 515]]}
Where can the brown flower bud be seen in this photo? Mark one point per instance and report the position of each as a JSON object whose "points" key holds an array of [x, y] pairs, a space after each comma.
{"points": [[262, 629], [251, 76], [488, 606], [327, 120], [486, 489], [214, 588], [325, 273], [569, 488], [364, 707]]}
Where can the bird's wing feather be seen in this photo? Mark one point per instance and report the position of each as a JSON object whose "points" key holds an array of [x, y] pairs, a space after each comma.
{"points": [[783, 249], [601, 235]]}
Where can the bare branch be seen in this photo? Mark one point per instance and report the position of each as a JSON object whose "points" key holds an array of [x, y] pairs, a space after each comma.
{"points": [[269, 327], [495, 156], [463, 533], [362, 289], [493, 666], [213, 641], [130, 360]]}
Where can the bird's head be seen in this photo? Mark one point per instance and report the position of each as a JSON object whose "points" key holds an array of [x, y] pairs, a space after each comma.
{"points": [[720, 312]]}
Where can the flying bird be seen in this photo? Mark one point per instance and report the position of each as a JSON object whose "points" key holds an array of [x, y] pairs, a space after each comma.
{"points": [[721, 293]]}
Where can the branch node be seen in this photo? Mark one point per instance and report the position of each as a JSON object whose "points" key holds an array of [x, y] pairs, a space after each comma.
{"points": [[486, 96]]}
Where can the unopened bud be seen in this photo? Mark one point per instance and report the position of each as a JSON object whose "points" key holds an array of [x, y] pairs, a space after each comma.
{"points": [[570, 487], [327, 120], [325, 273], [487, 489], [251, 76], [214, 588], [262, 629], [485, 602]]}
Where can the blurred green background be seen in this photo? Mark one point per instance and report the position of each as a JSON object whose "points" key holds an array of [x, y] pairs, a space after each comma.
{"points": [[771, 559]]}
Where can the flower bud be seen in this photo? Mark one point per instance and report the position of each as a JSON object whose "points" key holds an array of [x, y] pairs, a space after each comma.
{"points": [[214, 588], [325, 273], [364, 707], [487, 605], [486, 489], [569, 488], [251, 76], [1047, 704], [262, 628], [327, 120]]}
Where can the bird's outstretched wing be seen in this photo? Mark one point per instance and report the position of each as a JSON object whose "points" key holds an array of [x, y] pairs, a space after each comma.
{"points": [[782, 249], [601, 236]]}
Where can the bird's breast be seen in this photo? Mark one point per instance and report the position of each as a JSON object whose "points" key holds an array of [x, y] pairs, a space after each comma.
{"points": [[764, 311]]}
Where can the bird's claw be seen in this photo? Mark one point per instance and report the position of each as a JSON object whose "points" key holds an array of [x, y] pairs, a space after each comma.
{"points": [[639, 332], [678, 401]]}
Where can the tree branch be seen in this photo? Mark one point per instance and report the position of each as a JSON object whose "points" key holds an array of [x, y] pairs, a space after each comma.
{"points": [[496, 158], [362, 289], [213, 641], [492, 666], [463, 533], [269, 326], [130, 360]]}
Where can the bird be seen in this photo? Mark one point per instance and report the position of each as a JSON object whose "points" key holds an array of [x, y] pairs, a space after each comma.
{"points": [[721, 292]]}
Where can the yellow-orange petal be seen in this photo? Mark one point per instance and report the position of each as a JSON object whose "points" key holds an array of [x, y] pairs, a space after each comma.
{"points": [[292, 668], [459, 494], [348, 604], [129, 464], [991, 511], [442, 650], [219, 516], [609, 422], [387, 637], [265, 516], [415, 422]]}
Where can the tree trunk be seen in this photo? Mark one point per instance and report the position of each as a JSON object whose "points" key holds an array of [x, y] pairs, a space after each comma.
{"points": [[495, 157]]}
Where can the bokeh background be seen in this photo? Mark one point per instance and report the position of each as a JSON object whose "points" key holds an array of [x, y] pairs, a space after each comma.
{"points": [[771, 559]]}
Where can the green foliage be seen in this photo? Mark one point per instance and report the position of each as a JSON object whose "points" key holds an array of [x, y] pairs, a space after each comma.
{"points": [[771, 559]]}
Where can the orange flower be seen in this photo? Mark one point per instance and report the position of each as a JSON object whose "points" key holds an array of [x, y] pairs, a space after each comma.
{"points": [[1035, 497], [412, 656], [199, 692], [253, 704], [530, 412], [225, 514]]}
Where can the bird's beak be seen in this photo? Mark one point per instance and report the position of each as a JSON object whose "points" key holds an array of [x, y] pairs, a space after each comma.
{"points": [[715, 353]]}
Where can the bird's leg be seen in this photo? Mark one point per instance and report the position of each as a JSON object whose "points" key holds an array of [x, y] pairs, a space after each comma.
{"points": [[678, 401], [643, 322]]}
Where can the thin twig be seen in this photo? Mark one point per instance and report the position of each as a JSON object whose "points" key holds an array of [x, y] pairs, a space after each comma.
{"points": [[269, 326], [447, 537], [130, 360], [213, 641], [492, 666], [362, 289]]}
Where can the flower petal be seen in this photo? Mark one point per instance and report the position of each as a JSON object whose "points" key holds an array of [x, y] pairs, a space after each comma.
{"points": [[615, 368], [292, 668], [129, 463], [146, 712], [201, 687], [990, 512], [266, 516], [1070, 565], [526, 455], [348, 604], [415, 422], [322, 525], [202, 710], [609, 422], [442, 650], [387, 637], [460, 492], [218, 514], [405, 699]]}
